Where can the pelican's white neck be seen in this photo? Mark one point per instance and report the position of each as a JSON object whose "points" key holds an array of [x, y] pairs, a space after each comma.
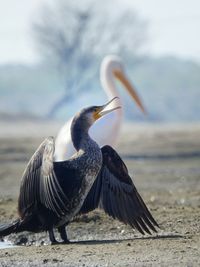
{"points": [[108, 83]]}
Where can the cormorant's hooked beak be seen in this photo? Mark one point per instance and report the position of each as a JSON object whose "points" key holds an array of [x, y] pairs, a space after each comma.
{"points": [[100, 112], [130, 88]]}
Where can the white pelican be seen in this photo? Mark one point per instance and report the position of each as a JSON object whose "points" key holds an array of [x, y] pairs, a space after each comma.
{"points": [[111, 69]]}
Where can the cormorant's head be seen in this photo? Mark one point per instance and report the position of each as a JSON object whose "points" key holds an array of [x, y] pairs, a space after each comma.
{"points": [[93, 113], [87, 116]]}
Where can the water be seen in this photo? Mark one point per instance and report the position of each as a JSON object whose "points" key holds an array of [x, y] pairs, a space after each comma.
{"points": [[6, 245]]}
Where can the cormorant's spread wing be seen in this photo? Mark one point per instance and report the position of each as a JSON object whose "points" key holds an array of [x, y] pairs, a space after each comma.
{"points": [[114, 191], [30, 182], [39, 183]]}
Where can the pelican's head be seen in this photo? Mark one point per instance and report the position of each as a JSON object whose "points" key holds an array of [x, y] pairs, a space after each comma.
{"points": [[112, 63], [112, 67]]}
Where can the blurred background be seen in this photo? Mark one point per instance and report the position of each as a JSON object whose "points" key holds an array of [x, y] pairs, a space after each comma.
{"points": [[51, 51]]}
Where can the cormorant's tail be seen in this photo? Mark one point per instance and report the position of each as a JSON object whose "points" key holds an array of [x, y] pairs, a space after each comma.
{"points": [[9, 228]]}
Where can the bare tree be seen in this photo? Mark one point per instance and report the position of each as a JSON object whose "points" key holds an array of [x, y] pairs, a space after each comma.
{"points": [[74, 34]]}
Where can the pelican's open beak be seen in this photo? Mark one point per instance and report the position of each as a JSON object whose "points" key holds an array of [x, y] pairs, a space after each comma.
{"points": [[124, 80], [100, 111]]}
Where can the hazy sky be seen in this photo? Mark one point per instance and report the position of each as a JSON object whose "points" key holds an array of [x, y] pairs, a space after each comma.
{"points": [[174, 28]]}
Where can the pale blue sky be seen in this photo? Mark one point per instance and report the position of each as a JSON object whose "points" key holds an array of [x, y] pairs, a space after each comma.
{"points": [[174, 28]]}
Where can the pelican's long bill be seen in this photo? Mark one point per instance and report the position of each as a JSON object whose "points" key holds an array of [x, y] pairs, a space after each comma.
{"points": [[130, 88], [100, 111]]}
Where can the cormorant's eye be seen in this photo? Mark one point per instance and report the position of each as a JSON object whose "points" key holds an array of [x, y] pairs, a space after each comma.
{"points": [[95, 109]]}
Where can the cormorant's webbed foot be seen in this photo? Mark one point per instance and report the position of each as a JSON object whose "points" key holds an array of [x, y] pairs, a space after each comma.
{"points": [[63, 234]]}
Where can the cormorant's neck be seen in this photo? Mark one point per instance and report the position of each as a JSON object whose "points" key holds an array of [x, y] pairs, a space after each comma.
{"points": [[79, 133]]}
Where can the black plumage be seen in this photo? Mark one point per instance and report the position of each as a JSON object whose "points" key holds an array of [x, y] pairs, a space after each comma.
{"points": [[114, 192]]}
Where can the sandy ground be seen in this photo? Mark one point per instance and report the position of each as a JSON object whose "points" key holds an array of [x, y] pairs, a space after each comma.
{"points": [[164, 161]]}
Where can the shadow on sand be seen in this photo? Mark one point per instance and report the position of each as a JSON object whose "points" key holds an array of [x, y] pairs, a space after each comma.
{"points": [[7, 245], [112, 241]]}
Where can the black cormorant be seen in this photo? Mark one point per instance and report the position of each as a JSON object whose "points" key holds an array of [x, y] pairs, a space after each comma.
{"points": [[53, 193]]}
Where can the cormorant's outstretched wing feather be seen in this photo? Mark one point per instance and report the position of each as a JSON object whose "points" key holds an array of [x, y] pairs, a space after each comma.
{"points": [[39, 183], [115, 192]]}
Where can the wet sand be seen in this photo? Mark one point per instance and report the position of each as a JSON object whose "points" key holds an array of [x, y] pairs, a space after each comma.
{"points": [[164, 161]]}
